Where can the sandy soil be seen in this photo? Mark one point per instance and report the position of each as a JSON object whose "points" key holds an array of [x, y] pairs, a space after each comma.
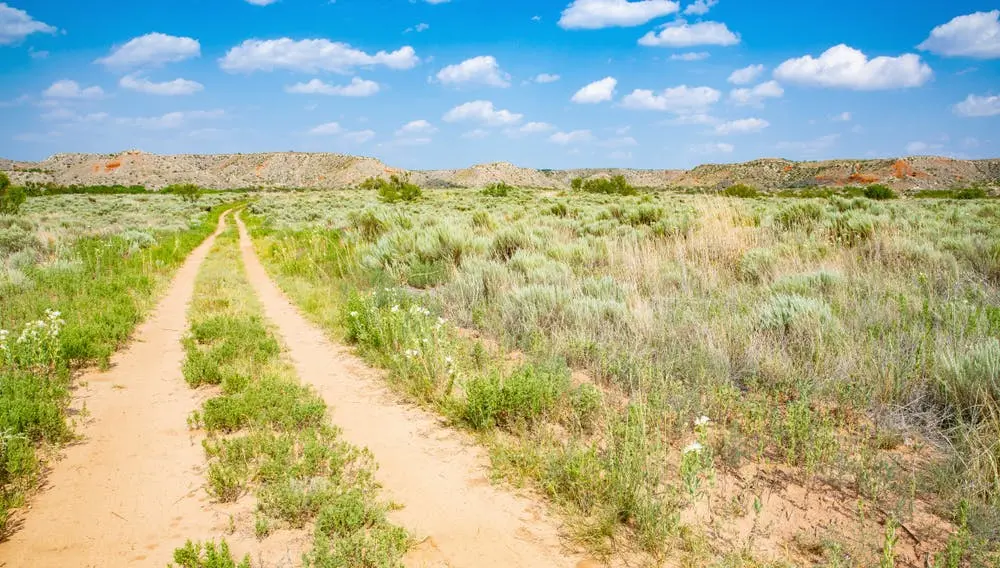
{"points": [[130, 491], [438, 474]]}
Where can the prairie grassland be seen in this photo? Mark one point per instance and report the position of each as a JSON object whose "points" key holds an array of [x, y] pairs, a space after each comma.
{"points": [[269, 436], [73, 286], [686, 375]]}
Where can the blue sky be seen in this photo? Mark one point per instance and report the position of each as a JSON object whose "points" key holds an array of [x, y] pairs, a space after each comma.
{"points": [[546, 83]]}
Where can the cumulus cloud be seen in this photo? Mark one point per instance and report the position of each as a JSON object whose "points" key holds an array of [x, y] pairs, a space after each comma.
{"points": [[482, 112], [596, 92], [691, 56], [973, 35], [310, 56], [172, 120], [151, 50], [546, 78], [918, 147], [327, 129], [573, 137], [15, 25], [842, 117], [597, 14], [421, 27], [699, 7], [416, 127], [974, 106], [67, 89], [680, 100], [481, 70], [844, 67], [757, 94], [166, 88], [358, 87], [68, 115], [742, 126], [683, 34], [746, 75], [529, 128]]}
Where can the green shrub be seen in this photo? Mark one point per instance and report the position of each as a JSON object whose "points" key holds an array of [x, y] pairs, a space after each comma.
{"points": [[879, 192], [559, 210], [186, 191], [11, 197], [785, 312], [499, 189], [616, 185], [368, 224], [396, 189], [741, 190], [525, 396], [971, 193], [207, 555], [969, 383], [506, 243]]}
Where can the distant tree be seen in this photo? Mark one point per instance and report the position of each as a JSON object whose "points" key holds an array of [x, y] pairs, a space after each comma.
{"points": [[741, 190], [186, 191], [398, 189], [11, 197], [879, 192]]}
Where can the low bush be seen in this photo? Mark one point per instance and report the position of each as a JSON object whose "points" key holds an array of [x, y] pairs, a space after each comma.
{"points": [[11, 197], [499, 189], [879, 192], [522, 398], [741, 190], [207, 555], [186, 191], [615, 185], [393, 190]]}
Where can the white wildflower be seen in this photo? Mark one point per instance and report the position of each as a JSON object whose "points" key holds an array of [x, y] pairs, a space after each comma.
{"points": [[441, 321], [395, 308], [354, 314], [702, 421], [695, 447], [448, 360]]}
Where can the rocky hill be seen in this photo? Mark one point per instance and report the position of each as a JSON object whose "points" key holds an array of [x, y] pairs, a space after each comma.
{"points": [[313, 170]]}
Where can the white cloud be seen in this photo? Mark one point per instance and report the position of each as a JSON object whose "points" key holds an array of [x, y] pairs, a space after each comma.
{"points": [[416, 127], [476, 134], [742, 126], [596, 92], [746, 75], [535, 127], [261, 2], [15, 25], [680, 100], [842, 117], [756, 95], [574, 137], [359, 136], [918, 147], [712, 148], [327, 129], [483, 112], [310, 56], [151, 49], [691, 56], [546, 78], [166, 88], [596, 14], [974, 105], [845, 67], [418, 141], [620, 155], [357, 88], [437, 1], [67, 89], [700, 7], [171, 120], [695, 118], [683, 34], [973, 35], [421, 27], [482, 70]]}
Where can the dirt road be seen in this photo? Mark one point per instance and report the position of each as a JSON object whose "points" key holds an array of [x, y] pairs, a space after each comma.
{"points": [[130, 491], [437, 474]]}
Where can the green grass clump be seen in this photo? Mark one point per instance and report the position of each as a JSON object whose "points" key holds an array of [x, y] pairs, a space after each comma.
{"points": [[207, 555], [521, 398]]}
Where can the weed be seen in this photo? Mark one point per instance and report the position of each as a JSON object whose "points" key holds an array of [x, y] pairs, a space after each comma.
{"points": [[207, 555]]}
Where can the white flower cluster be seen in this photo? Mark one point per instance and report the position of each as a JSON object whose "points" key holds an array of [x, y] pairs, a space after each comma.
{"points": [[693, 447], [37, 342]]}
